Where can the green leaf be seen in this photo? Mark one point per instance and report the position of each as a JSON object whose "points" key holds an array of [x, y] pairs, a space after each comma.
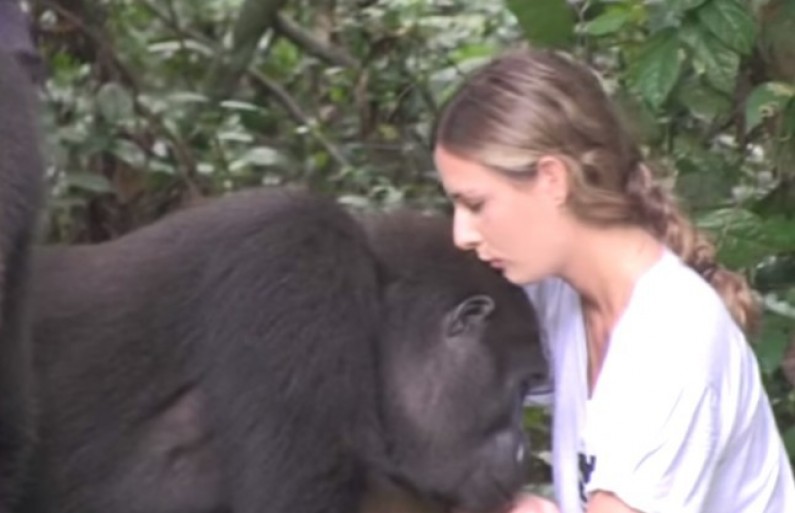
{"points": [[731, 22], [129, 153], [659, 16], [780, 200], [114, 102], [88, 182], [704, 102], [262, 156], [712, 58], [473, 51], [773, 342], [237, 105], [789, 441], [638, 117], [704, 180], [684, 5], [656, 69], [776, 272], [766, 100], [544, 22], [609, 22], [744, 238]]}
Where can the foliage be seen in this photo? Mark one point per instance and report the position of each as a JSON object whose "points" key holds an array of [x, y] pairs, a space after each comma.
{"points": [[152, 104]]}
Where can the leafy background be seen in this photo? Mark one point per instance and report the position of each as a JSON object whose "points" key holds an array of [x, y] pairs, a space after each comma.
{"points": [[152, 105]]}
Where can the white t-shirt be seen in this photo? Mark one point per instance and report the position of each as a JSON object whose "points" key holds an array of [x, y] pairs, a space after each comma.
{"points": [[679, 421]]}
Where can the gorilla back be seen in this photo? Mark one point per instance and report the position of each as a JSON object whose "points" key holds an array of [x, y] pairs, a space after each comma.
{"points": [[255, 354], [21, 175]]}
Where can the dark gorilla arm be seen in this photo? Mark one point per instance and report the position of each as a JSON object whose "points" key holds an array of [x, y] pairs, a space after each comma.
{"points": [[16, 40], [21, 172]]}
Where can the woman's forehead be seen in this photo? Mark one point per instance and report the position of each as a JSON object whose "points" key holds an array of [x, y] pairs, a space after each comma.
{"points": [[458, 171]]}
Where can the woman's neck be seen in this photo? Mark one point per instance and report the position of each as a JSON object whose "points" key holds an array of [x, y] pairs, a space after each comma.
{"points": [[607, 263], [605, 269]]}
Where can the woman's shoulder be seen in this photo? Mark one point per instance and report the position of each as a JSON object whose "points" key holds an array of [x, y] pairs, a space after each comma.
{"points": [[674, 297], [677, 319]]}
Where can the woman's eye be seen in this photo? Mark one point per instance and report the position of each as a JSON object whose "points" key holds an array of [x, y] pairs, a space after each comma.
{"points": [[474, 206]]}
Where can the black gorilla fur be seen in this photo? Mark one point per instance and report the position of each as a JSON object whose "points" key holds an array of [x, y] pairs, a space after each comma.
{"points": [[263, 352], [21, 173]]}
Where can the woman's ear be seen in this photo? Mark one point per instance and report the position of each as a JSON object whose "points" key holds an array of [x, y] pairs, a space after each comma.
{"points": [[552, 176]]}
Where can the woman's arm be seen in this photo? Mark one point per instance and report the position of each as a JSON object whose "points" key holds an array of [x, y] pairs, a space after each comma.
{"points": [[534, 504], [606, 502]]}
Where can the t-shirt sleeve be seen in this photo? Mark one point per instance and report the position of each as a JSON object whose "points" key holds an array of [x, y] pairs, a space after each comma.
{"points": [[652, 435]]}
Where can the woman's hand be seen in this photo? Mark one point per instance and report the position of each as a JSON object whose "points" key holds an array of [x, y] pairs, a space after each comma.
{"points": [[533, 504]]}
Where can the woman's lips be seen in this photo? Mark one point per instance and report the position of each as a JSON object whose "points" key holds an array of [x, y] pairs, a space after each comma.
{"points": [[497, 264]]}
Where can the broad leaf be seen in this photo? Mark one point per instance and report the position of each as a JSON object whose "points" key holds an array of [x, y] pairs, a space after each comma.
{"points": [[656, 68], [114, 102], [609, 22], [780, 200], [730, 22], [684, 5], [789, 440], [775, 273], [262, 156], [712, 58], [129, 153], [544, 22], [88, 182], [744, 238], [773, 342], [766, 100], [704, 102]]}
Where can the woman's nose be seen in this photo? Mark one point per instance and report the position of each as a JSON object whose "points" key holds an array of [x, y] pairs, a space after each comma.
{"points": [[465, 236]]}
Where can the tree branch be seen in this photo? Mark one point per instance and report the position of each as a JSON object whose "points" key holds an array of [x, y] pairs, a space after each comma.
{"points": [[297, 114], [265, 84], [304, 39], [254, 19]]}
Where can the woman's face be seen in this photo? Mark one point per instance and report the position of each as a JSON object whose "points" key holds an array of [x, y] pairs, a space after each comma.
{"points": [[519, 227]]}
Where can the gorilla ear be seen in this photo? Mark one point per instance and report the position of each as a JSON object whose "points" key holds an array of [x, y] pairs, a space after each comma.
{"points": [[470, 312]]}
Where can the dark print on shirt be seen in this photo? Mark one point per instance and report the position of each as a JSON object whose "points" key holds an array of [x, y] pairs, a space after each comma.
{"points": [[586, 464]]}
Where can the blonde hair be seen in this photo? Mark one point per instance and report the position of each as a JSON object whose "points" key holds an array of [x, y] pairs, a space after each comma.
{"points": [[532, 102]]}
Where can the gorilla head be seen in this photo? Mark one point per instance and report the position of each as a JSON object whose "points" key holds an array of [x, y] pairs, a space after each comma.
{"points": [[461, 350]]}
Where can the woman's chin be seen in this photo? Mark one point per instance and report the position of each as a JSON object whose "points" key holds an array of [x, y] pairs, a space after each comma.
{"points": [[517, 277], [512, 276]]}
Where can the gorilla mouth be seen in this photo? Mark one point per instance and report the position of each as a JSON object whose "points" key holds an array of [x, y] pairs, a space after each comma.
{"points": [[483, 492]]}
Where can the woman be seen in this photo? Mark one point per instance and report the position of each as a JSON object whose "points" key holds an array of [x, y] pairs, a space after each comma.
{"points": [[658, 402]]}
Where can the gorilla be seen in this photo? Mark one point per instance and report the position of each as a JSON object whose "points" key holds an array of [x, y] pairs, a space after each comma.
{"points": [[21, 183], [16, 40], [269, 351]]}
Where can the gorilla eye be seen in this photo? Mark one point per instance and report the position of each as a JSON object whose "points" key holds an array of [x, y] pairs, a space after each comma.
{"points": [[471, 312]]}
